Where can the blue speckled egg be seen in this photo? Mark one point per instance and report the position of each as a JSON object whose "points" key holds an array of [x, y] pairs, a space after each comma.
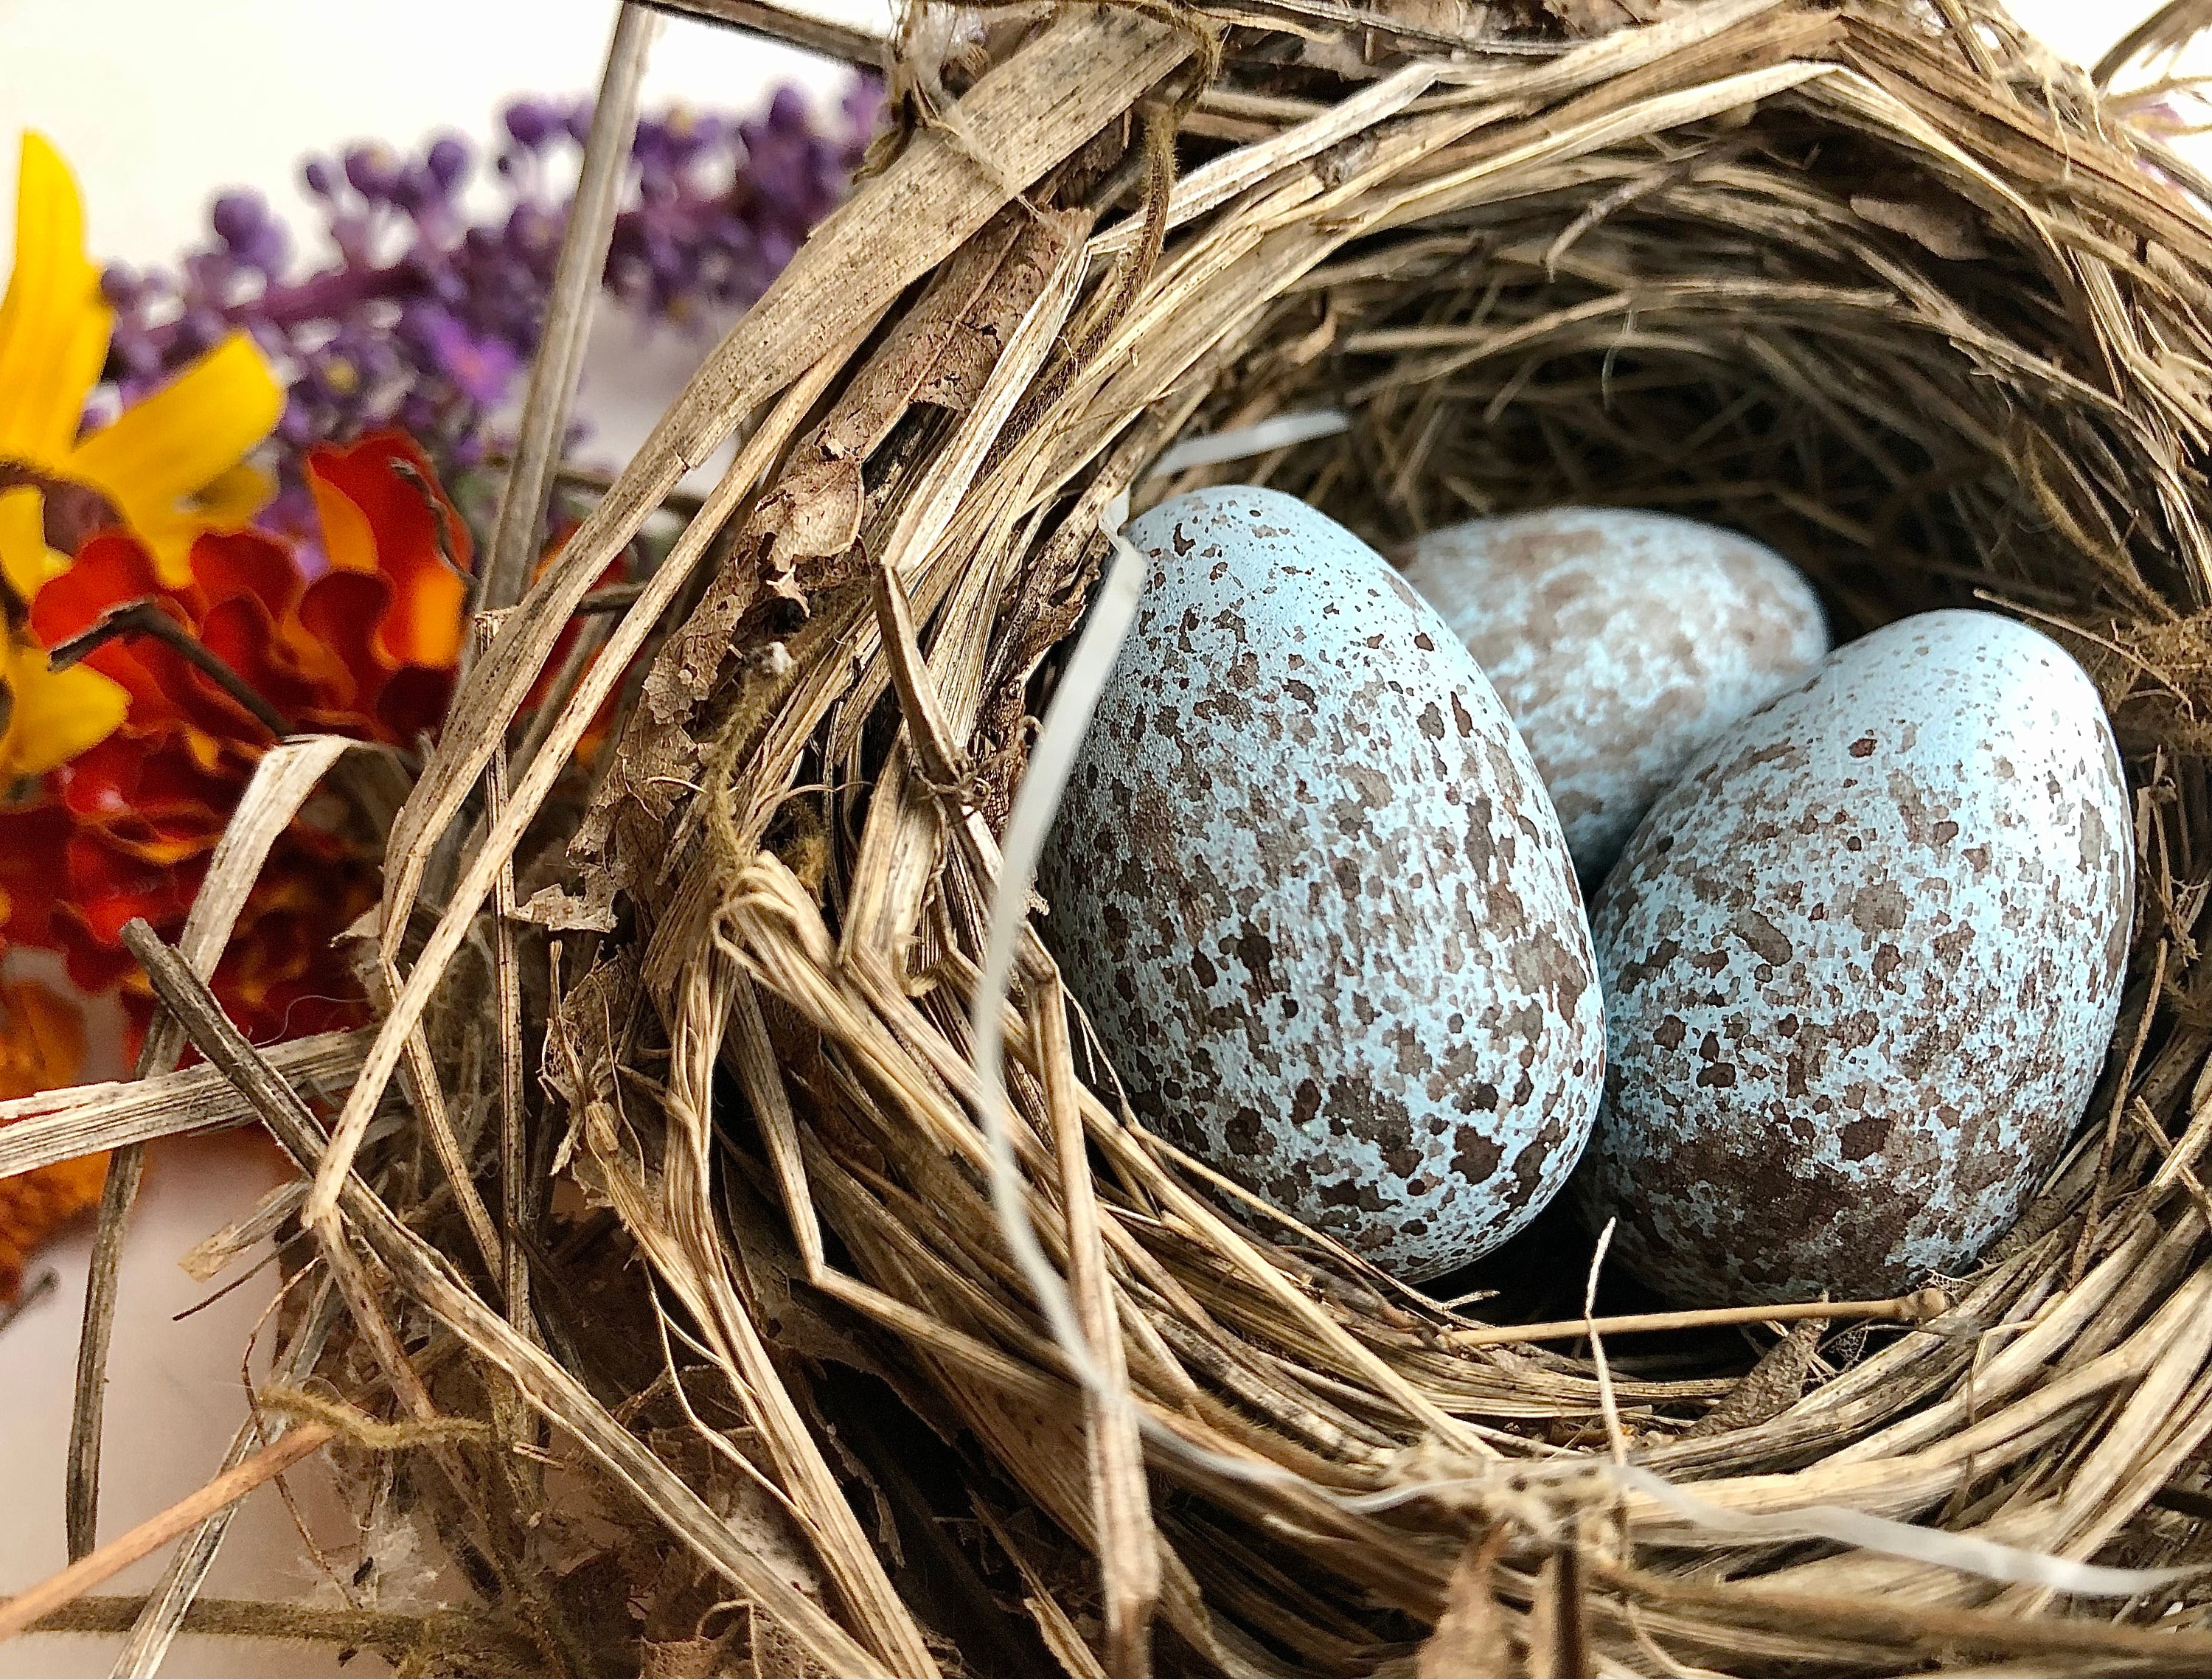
{"points": [[1309, 887], [1623, 642], [1862, 967]]}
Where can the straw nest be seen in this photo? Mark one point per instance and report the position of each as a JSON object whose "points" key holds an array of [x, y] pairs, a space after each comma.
{"points": [[678, 1176]]}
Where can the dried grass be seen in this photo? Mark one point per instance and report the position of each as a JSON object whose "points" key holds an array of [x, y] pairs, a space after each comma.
{"points": [[1882, 284]]}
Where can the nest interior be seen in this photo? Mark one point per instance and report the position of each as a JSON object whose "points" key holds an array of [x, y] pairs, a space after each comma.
{"points": [[1883, 285]]}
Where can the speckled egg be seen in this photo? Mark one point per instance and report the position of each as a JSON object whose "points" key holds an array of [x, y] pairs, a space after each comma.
{"points": [[1623, 642], [1861, 968], [1307, 886]]}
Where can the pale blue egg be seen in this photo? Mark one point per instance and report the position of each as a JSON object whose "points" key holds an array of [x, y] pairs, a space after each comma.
{"points": [[1862, 967], [1623, 642], [1309, 887]]}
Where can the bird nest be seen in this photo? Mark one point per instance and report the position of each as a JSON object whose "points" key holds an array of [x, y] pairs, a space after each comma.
{"points": [[747, 1264]]}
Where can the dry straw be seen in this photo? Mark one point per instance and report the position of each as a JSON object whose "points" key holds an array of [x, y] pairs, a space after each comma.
{"points": [[807, 1328]]}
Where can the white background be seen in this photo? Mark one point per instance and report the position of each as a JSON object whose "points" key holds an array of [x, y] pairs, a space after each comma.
{"points": [[157, 104]]}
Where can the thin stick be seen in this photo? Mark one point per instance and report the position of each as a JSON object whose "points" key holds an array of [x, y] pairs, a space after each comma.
{"points": [[1129, 1544], [429, 1102], [857, 47], [1916, 1308], [289, 1623], [614, 598], [145, 617], [112, 1558], [281, 784], [1615, 1437], [560, 359], [126, 1169], [507, 1003], [2039, 1636]]}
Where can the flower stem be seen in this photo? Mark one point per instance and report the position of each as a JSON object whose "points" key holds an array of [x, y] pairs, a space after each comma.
{"points": [[144, 617]]}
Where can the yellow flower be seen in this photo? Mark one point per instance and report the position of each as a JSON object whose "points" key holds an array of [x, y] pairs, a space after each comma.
{"points": [[170, 466], [47, 717]]}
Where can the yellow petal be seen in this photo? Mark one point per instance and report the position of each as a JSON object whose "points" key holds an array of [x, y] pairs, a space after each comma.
{"points": [[185, 436], [56, 714], [234, 497], [230, 501], [54, 324], [25, 560], [169, 538]]}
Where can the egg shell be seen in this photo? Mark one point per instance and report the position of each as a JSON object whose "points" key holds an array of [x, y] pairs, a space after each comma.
{"points": [[1623, 642], [1862, 967], [1309, 887]]}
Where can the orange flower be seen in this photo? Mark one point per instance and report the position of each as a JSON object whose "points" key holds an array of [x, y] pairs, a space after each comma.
{"points": [[41, 1046], [125, 827]]}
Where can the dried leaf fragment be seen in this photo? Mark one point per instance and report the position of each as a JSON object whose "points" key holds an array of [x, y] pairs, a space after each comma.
{"points": [[815, 511], [1769, 1387]]}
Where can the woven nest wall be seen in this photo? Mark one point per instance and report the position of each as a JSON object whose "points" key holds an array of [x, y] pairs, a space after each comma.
{"points": [[1883, 285]]}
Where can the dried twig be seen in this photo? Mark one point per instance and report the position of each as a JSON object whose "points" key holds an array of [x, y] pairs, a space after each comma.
{"points": [[282, 782], [857, 47], [559, 363], [149, 1535], [516, 1194], [1922, 1306]]}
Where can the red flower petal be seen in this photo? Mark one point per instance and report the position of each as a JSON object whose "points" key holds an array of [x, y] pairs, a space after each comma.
{"points": [[32, 883], [108, 886], [340, 611], [252, 563], [110, 568], [382, 512], [413, 704], [238, 632], [149, 790]]}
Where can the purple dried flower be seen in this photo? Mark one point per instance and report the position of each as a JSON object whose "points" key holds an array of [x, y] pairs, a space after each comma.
{"points": [[424, 316], [788, 112], [199, 330], [530, 122], [250, 234], [372, 170], [448, 160], [237, 216], [119, 287], [480, 366]]}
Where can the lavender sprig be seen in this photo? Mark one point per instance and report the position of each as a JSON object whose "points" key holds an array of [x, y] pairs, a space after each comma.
{"points": [[425, 314]]}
